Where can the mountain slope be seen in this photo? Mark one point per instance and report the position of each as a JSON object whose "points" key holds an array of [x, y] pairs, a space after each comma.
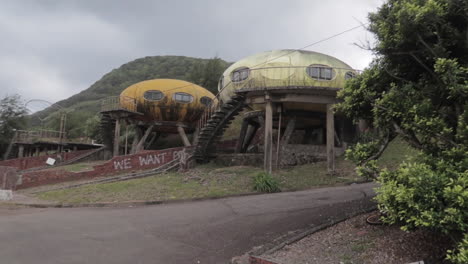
{"points": [[86, 104]]}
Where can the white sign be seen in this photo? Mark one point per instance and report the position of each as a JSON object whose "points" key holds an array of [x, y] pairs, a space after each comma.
{"points": [[50, 161], [6, 195]]}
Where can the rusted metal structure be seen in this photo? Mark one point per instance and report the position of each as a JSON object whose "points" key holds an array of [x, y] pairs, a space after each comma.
{"points": [[150, 108], [290, 90], [30, 143]]}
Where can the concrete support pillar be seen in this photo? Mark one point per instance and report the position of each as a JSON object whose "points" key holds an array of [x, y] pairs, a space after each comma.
{"points": [[20, 151], [38, 151], [136, 139], [195, 136], [250, 134], [155, 137], [183, 136], [117, 137], [241, 139], [140, 145], [288, 131], [330, 139], [268, 145]]}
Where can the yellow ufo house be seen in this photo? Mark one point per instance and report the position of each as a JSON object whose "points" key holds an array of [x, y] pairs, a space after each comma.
{"points": [[152, 107], [167, 102]]}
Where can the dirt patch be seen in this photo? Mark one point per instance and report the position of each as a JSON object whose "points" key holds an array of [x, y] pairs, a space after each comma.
{"points": [[355, 241]]}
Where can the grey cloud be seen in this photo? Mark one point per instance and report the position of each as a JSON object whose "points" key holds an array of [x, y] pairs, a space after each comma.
{"points": [[53, 49]]}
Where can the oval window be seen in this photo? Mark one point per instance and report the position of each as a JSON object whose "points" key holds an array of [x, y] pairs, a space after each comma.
{"points": [[320, 72], [221, 83], [153, 95], [349, 75], [240, 74], [183, 98], [206, 100]]}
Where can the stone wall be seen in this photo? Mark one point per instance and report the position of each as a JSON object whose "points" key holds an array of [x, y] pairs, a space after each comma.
{"points": [[240, 159], [298, 154], [291, 155]]}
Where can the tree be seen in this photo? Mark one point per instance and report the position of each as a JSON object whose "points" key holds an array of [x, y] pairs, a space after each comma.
{"points": [[417, 88], [207, 73], [92, 129], [12, 117]]}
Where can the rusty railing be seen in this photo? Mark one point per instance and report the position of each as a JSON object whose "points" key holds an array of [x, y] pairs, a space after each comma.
{"points": [[114, 103], [24, 136]]}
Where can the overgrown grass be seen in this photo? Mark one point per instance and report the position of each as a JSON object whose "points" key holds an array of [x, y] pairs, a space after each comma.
{"points": [[211, 180], [207, 180]]}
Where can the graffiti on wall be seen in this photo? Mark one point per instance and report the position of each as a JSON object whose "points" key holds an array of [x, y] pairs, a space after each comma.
{"points": [[150, 159]]}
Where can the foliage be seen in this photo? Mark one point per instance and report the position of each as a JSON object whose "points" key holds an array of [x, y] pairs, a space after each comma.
{"points": [[12, 117], [92, 127], [417, 88], [207, 73], [460, 254], [264, 182]]}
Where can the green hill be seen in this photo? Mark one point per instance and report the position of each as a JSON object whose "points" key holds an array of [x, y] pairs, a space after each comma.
{"points": [[86, 104]]}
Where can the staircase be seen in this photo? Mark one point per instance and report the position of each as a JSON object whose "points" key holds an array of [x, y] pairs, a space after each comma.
{"points": [[214, 122]]}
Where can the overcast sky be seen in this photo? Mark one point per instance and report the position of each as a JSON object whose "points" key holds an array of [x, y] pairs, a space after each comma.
{"points": [[53, 49]]}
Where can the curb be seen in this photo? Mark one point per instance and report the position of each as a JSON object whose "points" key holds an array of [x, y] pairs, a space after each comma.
{"points": [[150, 202], [128, 204]]}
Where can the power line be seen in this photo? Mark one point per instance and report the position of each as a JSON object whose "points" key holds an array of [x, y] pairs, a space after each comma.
{"points": [[312, 44], [305, 47]]}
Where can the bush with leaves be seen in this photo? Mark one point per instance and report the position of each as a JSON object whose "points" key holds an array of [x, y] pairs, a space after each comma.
{"points": [[417, 88], [12, 117], [264, 182]]}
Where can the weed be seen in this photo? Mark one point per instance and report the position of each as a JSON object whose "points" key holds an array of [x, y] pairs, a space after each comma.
{"points": [[264, 182]]}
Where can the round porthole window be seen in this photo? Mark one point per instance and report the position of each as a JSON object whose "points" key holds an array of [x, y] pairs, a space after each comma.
{"points": [[206, 100], [349, 75], [183, 98], [153, 95], [240, 74], [221, 83], [320, 72]]}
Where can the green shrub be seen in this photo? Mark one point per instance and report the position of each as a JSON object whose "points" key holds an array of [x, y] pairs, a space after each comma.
{"points": [[460, 254], [432, 194], [264, 182]]}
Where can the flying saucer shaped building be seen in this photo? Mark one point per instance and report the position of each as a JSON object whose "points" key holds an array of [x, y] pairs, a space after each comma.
{"points": [[285, 90], [167, 101], [152, 107]]}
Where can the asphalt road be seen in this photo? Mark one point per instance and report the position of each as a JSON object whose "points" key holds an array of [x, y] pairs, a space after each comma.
{"points": [[210, 231]]}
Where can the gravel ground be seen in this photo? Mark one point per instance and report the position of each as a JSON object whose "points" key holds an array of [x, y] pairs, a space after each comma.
{"points": [[355, 241]]}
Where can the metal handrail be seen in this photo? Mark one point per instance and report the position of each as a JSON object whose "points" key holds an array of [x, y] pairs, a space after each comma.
{"points": [[119, 103], [276, 77], [26, 136]]}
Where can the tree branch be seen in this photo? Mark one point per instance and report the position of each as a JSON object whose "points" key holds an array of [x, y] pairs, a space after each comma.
{"points": [[390, 136], [412, 139]]}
